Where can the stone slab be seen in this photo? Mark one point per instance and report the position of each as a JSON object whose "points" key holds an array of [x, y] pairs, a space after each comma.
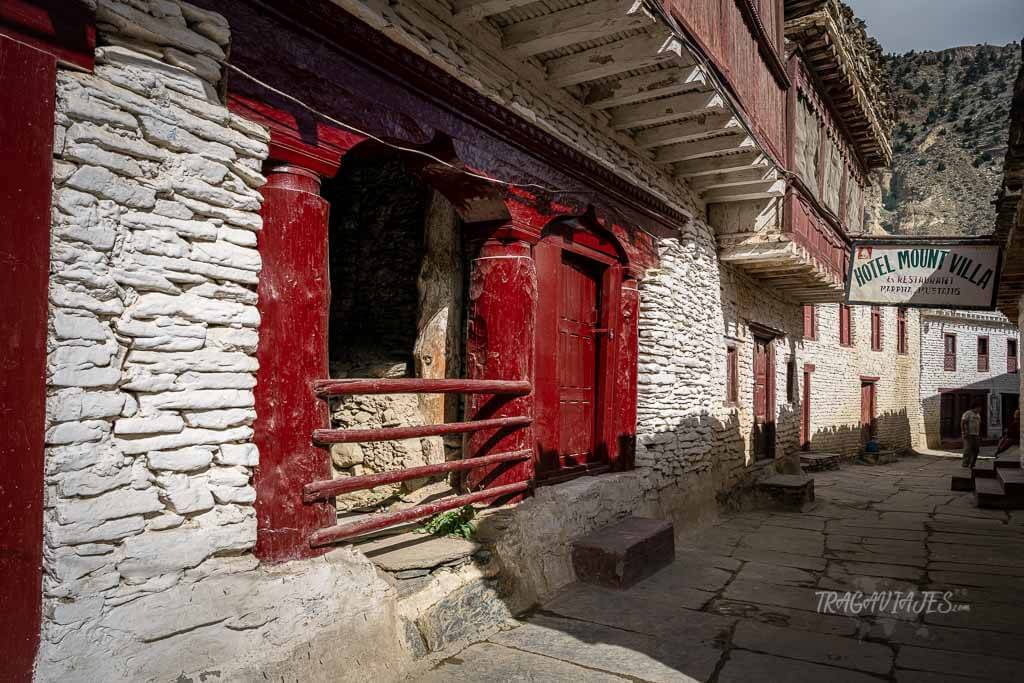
{"points": [[609, 649], [942, 638], [835, 625], [487, 662], [744, 667], [408, 551], [985, 667], [813, 647], [623, 554]]}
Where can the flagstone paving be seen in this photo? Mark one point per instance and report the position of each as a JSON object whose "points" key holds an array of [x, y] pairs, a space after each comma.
{"points": [[741, 601]]}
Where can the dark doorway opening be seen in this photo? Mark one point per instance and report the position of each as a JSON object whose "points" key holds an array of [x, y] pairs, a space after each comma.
{"points": [[764, 398], [868, 409]]}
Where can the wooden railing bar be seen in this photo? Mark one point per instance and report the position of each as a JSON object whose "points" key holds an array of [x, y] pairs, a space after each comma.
{"points": [[326, 437], [343, 531], [320, 490], [415, 385]]}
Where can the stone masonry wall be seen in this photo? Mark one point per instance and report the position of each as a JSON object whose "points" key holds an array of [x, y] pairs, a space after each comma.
{"points": [[967, 327], [836, 384], [149, 517], [691, 308]]}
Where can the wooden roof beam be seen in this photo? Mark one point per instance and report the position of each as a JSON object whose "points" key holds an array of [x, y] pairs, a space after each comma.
{"points": [[698, 149], [764, 189], [667, 109], [729, 179], [699, 127], [712, 165], [478, 10], [574, 25], [635, 52], [661, 83]]}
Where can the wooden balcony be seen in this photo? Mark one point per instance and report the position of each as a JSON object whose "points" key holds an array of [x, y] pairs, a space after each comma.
{"points": [[709, 107], [795, 248]]}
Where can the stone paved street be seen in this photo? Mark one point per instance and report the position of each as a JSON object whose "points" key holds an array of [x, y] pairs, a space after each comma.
{"points": [[740, 603]]}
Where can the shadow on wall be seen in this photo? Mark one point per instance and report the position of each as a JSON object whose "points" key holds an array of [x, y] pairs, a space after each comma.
{"points": [[931, 408], [892, 430]]}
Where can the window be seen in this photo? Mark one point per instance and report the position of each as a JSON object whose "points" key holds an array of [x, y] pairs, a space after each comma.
{"points": [[949, 360], [982, 354], [845, 334], [901, 330], [1011, 355], [732, 384], [791, 380], [876, 328], [810, 322]]}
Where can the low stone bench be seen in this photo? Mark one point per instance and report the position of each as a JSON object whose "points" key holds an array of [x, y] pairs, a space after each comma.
{"points": [[878, 457], [819, 462], [789, 491], [623, 554]]}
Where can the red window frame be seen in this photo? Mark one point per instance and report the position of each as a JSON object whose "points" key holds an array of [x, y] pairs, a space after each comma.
{"points": [[791, 380], [949, 352], [876, 328], [732, 383], [983, 353], [1011, 356], [810, 322], [845, 331], [901, 331]]}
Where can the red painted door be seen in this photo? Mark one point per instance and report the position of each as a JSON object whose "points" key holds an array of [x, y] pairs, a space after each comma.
{"points": [[764, 412], [867, 410], [578, 315]]}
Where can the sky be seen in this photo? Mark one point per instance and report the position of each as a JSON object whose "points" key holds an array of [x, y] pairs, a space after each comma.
{"points": [[904, 25]]}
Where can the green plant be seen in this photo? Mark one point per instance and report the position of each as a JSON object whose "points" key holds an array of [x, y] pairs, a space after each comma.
{"points": [[452, 523]]}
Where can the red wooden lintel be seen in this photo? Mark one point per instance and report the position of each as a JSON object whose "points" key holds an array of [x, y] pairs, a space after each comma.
{"points": [[410, 385], [65, 29], [343, 531], [325, 437], [322, 490]]}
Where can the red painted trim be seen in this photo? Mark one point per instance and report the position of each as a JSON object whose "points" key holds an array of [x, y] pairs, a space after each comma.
{"points": [[63, 28], [294, 292], [28, 81], [343, 531], [326, 437], [809, 367], [349, 387], [322, 490], [869, 378]]}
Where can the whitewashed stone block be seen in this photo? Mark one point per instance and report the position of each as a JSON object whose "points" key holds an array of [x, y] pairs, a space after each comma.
{"points": [[180, 460], [155, 424], [246, 455]]}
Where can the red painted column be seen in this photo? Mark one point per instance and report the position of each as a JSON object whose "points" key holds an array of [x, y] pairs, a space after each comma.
{"points": [[294, 298], [624, 401], [28, 78], [499, 345]]}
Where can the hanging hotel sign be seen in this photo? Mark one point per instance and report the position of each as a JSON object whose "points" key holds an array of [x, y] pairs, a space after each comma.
{"points": [[926, 273]]}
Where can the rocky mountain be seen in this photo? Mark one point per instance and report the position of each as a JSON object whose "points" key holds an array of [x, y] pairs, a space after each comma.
{"points": [[950, 137]]}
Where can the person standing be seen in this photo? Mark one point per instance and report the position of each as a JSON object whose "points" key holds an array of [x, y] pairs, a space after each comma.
{"points": [[970, 431]]}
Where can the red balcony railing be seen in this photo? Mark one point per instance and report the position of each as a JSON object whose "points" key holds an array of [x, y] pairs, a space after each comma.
{"points": [[326, 489]]}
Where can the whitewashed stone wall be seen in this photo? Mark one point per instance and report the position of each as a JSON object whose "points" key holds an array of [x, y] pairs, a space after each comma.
{"points": [[836, 383], [149, 518], [691, 309], [967, 326]]}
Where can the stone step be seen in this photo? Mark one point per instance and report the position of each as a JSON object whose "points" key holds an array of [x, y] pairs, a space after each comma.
{"points": [[820, 462], [878, 457], [789, 491], [989, 493], [1008, 460], [623, 554], [984, 469], [961, 482], [1012, 480]]}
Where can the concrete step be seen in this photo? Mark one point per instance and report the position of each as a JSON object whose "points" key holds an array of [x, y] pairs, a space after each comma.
{"points": [[877, 458], [1012, 480], [961, 482], [623, 554], [1008, 460], [789, 491], [984, 469], [819, 462]]}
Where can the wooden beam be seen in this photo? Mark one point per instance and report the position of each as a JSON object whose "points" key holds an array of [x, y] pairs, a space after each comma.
{"points": [[685, 151], [699, 127], [765, 189], [732, 162], [476, 10], [417, 385], [326, 437], [661, 83], [667, 109], [574, 25], [615, 58], [728, 179]]}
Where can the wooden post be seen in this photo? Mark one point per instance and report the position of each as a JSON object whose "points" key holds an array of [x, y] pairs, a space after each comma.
{"points": [[623, 448], [28, 79], [499, 345], [294, 298]]}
